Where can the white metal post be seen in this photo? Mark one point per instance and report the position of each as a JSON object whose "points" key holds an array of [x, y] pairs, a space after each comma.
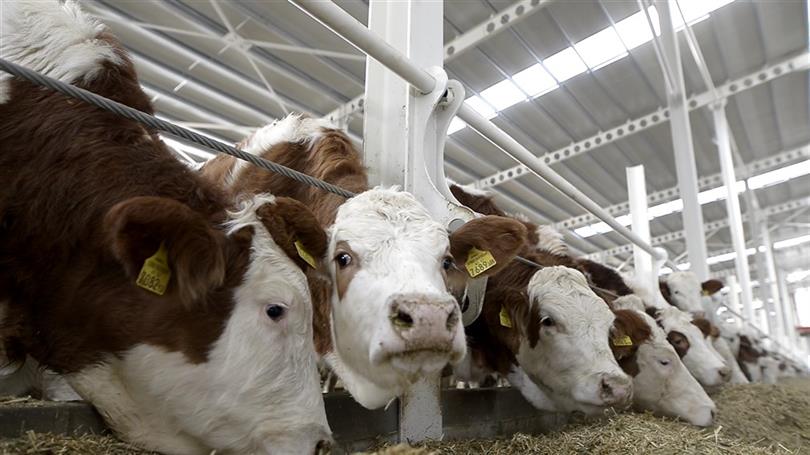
{"points": [[778, 329], [404, 145], [788, 315], [733, 205], [637, 192], [682, 142], [734, 298]]}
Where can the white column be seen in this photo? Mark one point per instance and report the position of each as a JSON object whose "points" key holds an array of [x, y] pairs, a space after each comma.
{"points": [[637, 195], [776, 322], [682, 143], [734, 297], [404, 145], [733, 205], [788, 316]]}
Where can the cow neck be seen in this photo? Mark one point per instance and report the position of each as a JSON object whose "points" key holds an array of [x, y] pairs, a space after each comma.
{"points": [[112, 159]]}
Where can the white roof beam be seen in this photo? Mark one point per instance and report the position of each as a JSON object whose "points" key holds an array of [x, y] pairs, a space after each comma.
{"points": [[798, 63], [679, 235], [704, 183]]}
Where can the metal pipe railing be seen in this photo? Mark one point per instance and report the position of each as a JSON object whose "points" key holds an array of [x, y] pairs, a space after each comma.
{"points": [[346, 26]]}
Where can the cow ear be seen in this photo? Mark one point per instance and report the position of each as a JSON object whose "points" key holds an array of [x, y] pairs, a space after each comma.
{"points": [[296, 230], [165, 247], [510, 308], [501, 237], [711, 286]]}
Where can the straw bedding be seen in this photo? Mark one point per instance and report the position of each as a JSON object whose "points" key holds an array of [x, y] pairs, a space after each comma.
{"points": [[752, 419]]}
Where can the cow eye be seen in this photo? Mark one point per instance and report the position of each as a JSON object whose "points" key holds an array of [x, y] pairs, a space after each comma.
{"points": [[275, 311], [447, 263], [547, 321], [664, 362], [343, 260]]}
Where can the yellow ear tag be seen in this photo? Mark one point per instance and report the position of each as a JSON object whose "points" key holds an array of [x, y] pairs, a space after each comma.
{"points": [[479, 262], [305, 254], [622, 341], [506, 321], [705, 292], [155, 272]]}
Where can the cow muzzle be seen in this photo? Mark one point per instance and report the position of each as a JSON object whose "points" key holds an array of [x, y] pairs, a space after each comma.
{"points": [[421, 330], [615, 390]]}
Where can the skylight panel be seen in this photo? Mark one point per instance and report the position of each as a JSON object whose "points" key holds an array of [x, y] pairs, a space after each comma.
{"points": [[797, 275], [455, 125], [503, 94], [635, 31], [779, 175], [535, 80], [791, 242], [697, 10], [481, 106], [565, 64], [601, 48]]}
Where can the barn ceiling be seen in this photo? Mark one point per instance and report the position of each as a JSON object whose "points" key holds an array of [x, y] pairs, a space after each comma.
{"points": [[226, 67]]}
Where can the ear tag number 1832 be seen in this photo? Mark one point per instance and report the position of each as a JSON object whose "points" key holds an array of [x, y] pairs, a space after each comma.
{"points": [[479, 262], [155, 272]]}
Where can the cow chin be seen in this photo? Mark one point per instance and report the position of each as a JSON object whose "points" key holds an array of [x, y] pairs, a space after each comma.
{"points": [[414, 361]]}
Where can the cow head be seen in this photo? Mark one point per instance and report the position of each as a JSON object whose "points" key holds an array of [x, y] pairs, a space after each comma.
{"points": [[661, 382], [250, 384], [694, 349], [769, 366], [564, 342], [685, 291], [393, 318]]}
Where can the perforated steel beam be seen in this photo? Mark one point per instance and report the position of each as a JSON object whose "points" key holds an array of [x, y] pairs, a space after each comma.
{"points": [[657, 117], [704, 183], [680, 235]]}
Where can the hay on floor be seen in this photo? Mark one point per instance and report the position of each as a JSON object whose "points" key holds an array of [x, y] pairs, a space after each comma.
{"points": [[752, 420], [49, 444]]}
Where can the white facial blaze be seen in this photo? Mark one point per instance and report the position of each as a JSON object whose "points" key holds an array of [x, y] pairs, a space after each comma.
{"points": [[701, 359], [663, 385], [258, 391], [572, 357], [398, 250], [722, 347], [685, 291], [769, 368]]}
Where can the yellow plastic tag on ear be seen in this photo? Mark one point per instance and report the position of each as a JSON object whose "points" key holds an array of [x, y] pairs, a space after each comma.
{"points": [[705, 292], [479, 262], [155, 272], [305, 254], [506, 321], [622, 341]]}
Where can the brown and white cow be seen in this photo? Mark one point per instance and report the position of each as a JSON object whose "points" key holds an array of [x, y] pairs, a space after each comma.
{"points": [[683, 289], [661, 382], [387, 314], [557, 354], [217, 353], [663, 388]]}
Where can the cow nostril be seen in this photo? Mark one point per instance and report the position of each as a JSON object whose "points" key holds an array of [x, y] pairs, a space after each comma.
{"points": [[713, 414], [402, 320], [606, 388], [452, 320], [323, 447]]}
